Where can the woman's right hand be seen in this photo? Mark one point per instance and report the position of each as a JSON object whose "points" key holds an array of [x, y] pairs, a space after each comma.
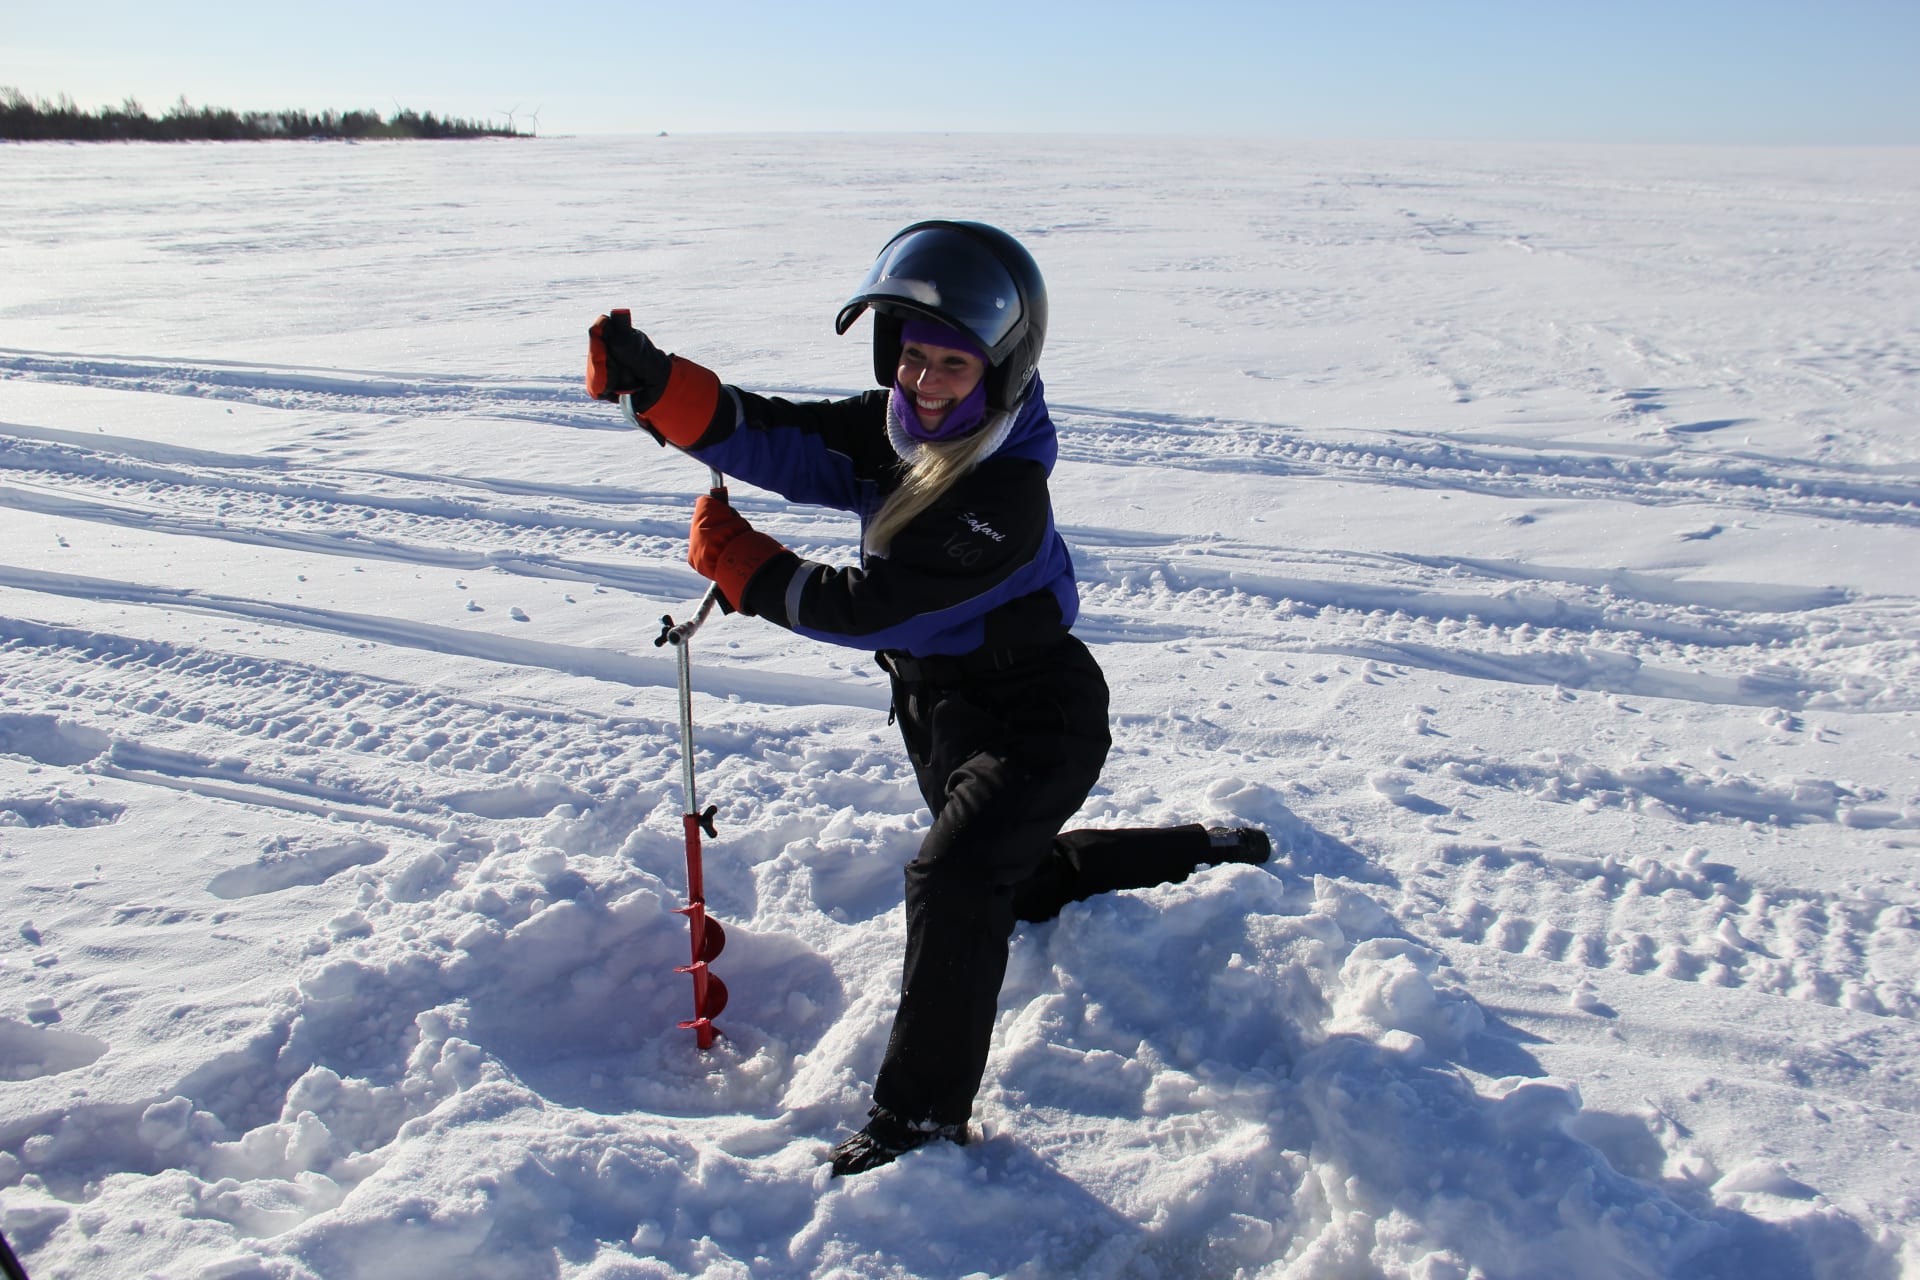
{"points": [[671, 396], [622, 361]]}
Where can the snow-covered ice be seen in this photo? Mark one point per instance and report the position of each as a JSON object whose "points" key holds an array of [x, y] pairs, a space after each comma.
{"points": [[1526, 537]]}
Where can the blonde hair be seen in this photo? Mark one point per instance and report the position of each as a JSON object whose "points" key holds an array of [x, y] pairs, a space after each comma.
{"points": [[932, 469]]}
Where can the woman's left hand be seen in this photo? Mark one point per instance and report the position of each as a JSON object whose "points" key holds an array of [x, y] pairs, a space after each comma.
{"points": [[724, 548]]}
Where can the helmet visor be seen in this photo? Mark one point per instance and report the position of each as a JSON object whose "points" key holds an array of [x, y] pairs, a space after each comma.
{"points": [[947, 275]]}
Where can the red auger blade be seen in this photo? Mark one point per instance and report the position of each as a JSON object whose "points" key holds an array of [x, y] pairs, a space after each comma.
{"points": [[712, 938], [709, 998], [708, 940]]}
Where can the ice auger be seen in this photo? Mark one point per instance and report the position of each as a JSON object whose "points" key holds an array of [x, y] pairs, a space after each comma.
{"points": [[708, 939]]}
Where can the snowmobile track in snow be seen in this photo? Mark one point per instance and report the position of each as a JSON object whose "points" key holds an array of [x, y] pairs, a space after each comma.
{"points": [[1659, 475]]}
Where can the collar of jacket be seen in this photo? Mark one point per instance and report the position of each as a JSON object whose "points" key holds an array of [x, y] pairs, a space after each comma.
{"points": [[1026, 424]]}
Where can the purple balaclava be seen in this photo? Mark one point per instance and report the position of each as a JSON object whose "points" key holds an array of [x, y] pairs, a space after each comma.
{"points": [[964, 418]]}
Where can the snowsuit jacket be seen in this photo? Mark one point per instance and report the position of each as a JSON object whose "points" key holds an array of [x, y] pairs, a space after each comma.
{"points": [[983, 568]]}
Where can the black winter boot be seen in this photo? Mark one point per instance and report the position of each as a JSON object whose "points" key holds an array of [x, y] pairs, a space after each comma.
{"points": [[1240, 844], [886, 1138]]}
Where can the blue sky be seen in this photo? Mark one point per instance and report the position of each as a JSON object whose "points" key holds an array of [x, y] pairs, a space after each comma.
{"points": [[1752, 71]]}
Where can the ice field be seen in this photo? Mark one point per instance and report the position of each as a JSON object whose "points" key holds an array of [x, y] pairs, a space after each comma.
{"points": [[1529, 538]]}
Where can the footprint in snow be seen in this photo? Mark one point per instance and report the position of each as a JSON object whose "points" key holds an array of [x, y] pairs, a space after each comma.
{"points": [[281, 868], [1399, 791], [28, 1052]]}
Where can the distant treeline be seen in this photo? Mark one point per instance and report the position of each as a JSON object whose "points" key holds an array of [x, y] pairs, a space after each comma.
{"points": [[23, 118]]}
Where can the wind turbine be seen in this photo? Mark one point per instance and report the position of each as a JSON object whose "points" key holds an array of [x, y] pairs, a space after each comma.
{"points": [[510, 110], [535, 113]]}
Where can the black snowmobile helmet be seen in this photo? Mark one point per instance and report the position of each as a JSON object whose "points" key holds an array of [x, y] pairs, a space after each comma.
{"points": [[968, 276]]}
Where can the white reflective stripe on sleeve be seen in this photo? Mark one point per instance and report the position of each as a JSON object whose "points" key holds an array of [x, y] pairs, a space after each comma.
{"points": [[795, 585]]}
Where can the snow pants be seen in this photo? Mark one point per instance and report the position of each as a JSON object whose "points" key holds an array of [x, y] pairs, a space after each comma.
{"points": [[1003, 759]]}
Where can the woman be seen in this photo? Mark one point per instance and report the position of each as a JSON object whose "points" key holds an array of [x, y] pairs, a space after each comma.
{"points": [[966, 591]]}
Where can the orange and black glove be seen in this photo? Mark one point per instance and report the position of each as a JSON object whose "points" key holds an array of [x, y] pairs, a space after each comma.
{"points": [[724, 548], [675, 397]]}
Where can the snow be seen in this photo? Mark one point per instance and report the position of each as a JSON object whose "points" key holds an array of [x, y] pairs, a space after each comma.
{"points": [[1524, 536]]}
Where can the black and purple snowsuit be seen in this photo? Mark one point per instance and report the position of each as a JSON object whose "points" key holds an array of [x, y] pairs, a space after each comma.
{"points": [[1003, 710]]}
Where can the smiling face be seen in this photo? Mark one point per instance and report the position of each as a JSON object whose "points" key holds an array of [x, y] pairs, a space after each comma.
{"points": [[937, 379]]}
